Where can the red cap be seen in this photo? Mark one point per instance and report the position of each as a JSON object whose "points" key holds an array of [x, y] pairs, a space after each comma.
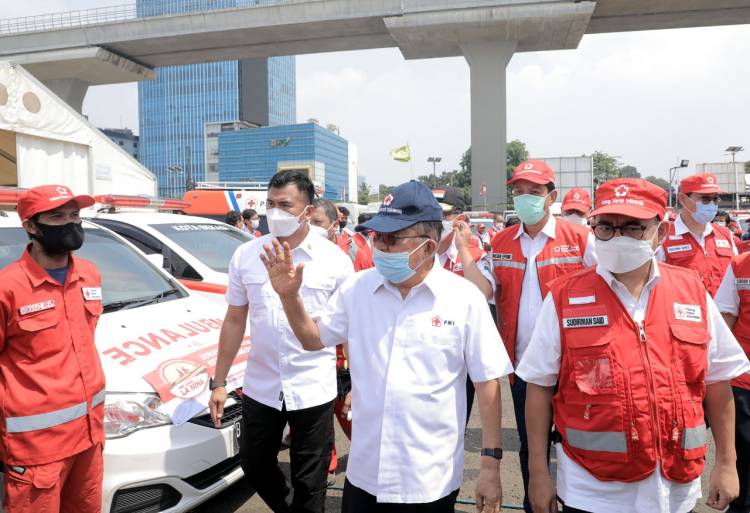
{"points": [[705, 183], [631, 197], [48, 197], [577, 199], [536, 171]]}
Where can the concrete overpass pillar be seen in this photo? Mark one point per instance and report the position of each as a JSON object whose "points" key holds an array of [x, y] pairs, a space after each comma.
{"points": [[488, 61], [71, 90]]}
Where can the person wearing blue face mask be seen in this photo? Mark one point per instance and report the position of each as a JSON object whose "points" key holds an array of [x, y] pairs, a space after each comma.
{"points": [[694, 241], [415, 331]]}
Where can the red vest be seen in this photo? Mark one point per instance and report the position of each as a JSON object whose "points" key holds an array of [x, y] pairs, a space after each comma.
{"points": [[630, 395], [741, 330], [457, 267], [560, 256], [711, 264], [360, 251]]}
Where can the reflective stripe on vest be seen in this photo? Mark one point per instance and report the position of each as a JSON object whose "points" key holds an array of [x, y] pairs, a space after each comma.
{"points": [[695, 437], [604, 441], [510, 263], [52, 418], [559, 260]]}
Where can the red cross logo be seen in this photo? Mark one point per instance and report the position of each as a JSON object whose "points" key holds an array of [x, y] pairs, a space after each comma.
{"points": [[528, 166], [251, 203], [710, 179], [388, 200], [576, 195], [621, 191], [63, 191], [680, 312], [437, 321]]}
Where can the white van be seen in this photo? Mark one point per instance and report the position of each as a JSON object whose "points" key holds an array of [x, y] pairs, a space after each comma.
{"points": [[158, 344]]}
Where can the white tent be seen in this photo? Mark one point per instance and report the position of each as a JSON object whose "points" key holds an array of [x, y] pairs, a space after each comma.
{"points": [[43, 140]]}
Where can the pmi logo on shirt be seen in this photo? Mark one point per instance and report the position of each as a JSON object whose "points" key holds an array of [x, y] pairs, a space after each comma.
{"points": [[590, 321], [439, 322]]}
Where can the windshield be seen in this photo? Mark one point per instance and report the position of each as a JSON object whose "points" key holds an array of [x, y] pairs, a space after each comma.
{"points": [[128, 280], [212, 244]]}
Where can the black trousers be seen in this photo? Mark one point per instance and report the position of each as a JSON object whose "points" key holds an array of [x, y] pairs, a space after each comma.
{"points": [[310, 454], [742, 444], [356, 500]]}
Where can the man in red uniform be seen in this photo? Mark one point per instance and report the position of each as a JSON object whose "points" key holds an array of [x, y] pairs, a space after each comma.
{"points": [[576, 206], [631, 360], [693, 241], [51, 379]]}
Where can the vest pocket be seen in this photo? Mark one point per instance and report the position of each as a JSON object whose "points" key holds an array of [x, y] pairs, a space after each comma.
{"points": [[691, 348]]}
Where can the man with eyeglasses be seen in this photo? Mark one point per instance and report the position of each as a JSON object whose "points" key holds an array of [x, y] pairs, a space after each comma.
{"points": [[693, 241], [626, 360], [414, 332], [525, 261]]}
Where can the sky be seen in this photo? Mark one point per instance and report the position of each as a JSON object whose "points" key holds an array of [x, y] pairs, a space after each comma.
{"points": [[647, 97]]}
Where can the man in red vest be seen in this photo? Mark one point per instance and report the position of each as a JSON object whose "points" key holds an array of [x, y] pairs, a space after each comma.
{"points": [[576, 206], [525, 260], [693, 241], [51, 379], [733, 300], [630, 360]]}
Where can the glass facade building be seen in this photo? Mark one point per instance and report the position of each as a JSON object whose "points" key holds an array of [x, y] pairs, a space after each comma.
{"points": [[255, 155], [175, 107]]}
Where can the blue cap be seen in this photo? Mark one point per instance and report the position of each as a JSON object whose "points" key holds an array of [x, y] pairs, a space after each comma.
{"points": [[409, 203]]}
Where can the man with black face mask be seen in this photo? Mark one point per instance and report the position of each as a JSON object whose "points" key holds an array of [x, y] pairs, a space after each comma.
{"points": [[51, 378]]}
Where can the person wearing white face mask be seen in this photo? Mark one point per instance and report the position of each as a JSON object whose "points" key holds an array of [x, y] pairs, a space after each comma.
{"points": [[414, 332], [628, 361], [283, 383], [693, 241], [251, 221], [576, 206]]}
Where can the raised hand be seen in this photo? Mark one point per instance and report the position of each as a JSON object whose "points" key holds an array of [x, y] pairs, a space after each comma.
{"points": [[286, 278], [461, 234]]}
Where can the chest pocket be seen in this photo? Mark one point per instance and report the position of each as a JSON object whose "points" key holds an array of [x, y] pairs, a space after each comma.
{"points": [[691, 348], [260, 293], [724, 248], [316, 290], [38, 322], [588, 339]]}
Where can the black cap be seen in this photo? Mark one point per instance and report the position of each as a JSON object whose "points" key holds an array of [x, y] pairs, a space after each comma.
{"points": [[409, 203], [447, 195]]}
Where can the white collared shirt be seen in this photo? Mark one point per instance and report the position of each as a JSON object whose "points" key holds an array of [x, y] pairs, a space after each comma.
{"points": [[575, 486], [409, 359], [531, 294], [727, 299], [279, 371], [680, 228]]}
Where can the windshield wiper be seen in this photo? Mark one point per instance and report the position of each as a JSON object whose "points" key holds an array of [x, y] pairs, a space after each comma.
{"points": [[127, 304]]}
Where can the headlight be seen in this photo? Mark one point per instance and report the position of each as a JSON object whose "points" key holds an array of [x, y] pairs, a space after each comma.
{"points": [[126, 413]]}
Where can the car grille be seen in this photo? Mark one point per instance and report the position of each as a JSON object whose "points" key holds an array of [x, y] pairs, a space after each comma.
{"points": [[145, 499], [208, 477], [231, 414]]}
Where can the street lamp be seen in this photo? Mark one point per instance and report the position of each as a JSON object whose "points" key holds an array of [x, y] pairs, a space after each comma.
{"points": [[735, 150], [434, 161], [673, 175]]}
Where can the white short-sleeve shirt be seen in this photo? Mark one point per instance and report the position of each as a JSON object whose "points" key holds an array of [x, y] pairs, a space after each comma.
{"points": [[409, 359], [575, 486], [727, 298], [279, 371]]}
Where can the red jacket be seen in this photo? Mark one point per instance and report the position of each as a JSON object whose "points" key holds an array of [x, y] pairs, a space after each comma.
{"points": [[457, 267], [711, 263], [630, 396], [741, 330], [560, 256], [52, 383]]}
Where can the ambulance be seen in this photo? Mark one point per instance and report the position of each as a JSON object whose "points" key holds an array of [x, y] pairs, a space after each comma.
{"points": [[214, 200], [158, 345], [195, 250]]}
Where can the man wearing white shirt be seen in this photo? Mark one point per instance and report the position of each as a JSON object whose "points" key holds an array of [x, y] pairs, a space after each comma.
{"points": [[414, 332], [283, 382], [636, 355]]}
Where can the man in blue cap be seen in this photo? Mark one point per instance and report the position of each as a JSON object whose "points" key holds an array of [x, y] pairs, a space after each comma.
{"points": [[414, 332]]}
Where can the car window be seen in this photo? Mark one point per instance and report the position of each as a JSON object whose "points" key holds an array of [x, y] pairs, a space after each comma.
{"points": [[126, 275], [212, 244]]}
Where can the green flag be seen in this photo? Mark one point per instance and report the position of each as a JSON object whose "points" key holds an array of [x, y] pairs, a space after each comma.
{"points": [[402, 154]]}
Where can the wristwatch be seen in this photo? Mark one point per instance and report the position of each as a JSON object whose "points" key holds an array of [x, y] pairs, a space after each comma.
{"points": [[213, 385], [496, 453]]}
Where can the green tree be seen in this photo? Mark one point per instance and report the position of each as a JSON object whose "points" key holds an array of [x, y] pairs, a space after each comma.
{"points": [[363, 193], [605, 166], [659, 182], [515, 153], [629, 172], [385, 190]]}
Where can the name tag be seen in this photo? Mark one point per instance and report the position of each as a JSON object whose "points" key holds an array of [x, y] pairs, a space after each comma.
{"points": [[690, 313], [92, 293], [675, 237], [502, 257], [591, 321], [722, 243], [677, 249], [37, 307], [742, 283]]}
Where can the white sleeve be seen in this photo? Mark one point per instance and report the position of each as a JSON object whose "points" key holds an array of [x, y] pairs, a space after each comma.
{"points": [[485, 267], [236, 293], [333, 318], [346, 269], [540, 363], [727, 299], [589, 257], [484, 351], [726, 359], [660, 256]]}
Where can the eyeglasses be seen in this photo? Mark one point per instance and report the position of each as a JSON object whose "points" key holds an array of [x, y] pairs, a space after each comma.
{"points": [[391, 240], [706, 199], [603, 231]]}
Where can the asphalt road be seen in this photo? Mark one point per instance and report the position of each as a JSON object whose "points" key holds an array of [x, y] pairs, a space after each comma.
{"points": [[239, 499]]}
